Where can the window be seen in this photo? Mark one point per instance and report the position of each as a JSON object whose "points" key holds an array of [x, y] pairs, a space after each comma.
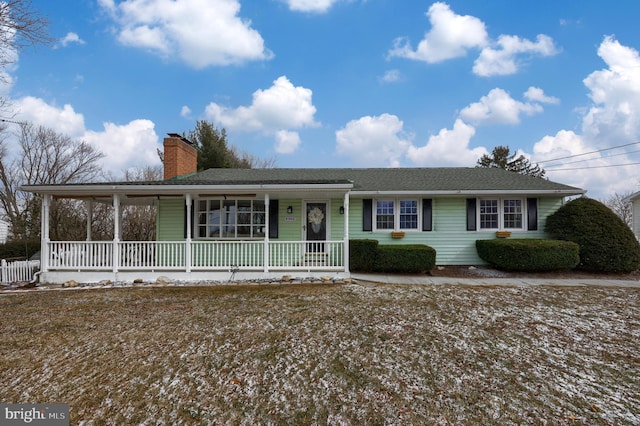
{"points": [[231, 219], [384, 214], [409, 214], [489, 214], [501, 214], [396, 214], [512, 210]]}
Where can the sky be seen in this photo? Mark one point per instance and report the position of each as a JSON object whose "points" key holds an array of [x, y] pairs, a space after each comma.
{"points": [[347, 83]]}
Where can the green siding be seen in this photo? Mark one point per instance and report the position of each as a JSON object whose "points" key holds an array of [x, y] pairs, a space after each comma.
{"points": [[337, 219], [453, 243], [290, 231], [170, 224]]}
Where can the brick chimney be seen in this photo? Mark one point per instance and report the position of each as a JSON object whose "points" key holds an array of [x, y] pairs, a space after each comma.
{"points": [[180, 156]]}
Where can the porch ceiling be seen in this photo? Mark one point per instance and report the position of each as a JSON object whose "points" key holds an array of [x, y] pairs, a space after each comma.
{"points": [[145, 194]]}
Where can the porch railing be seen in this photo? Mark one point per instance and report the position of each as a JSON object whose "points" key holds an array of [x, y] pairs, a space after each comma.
{"points": [[197, 255]]}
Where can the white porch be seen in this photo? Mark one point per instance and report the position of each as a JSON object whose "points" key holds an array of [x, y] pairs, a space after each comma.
{"points": [[191, 259]]}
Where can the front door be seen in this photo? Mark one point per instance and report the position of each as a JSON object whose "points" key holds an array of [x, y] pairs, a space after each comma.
{"points": [[316, 218]]}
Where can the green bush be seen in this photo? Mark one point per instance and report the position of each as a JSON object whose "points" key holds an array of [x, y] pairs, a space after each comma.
{"points": [[529, 254], [369, 256], [414, 258], [606, 243], [362, 255], [19, 249]]}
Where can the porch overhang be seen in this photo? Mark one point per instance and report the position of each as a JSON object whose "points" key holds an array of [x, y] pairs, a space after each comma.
{"points": [[133, 193]]}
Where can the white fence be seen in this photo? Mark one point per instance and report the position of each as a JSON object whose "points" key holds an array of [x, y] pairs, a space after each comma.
{"points": [[199, 255], [22, 270]]}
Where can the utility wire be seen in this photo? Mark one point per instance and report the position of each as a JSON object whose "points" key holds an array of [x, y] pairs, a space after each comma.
{"points": [[591, 159], [591, 167], [587, 153]]}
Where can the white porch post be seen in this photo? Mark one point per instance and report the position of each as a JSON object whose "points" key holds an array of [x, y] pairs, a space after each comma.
{"points": [[89, 207], [187, 248], [44, 233], [266, 233], [346, 232], [116, 232]]}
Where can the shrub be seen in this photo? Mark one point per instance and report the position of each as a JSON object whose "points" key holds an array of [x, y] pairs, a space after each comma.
{"points": [[19, 249], [414, 258], [368, 256], [606, 243], [362, 255], [529, 254]]}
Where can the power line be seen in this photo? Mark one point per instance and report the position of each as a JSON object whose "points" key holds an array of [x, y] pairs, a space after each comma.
{"points": [[597, 158], [587, 153], [591, 167]]}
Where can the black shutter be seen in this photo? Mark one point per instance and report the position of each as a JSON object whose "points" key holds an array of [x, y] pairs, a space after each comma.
{"points": [[273, 218], [193, 217], [367, 214], [532, 214], [471, 214], [426, 214]]}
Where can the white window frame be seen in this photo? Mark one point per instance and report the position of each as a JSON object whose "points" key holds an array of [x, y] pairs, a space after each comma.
{"points": [[501, 213], [396, 214], [233, 224]]}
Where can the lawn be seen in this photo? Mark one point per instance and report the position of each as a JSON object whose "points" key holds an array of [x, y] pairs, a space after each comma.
{"points": [[326, 354]]}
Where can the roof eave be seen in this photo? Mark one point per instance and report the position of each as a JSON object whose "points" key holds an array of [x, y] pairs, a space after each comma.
{"points": [[109, 189], [477, 192]]}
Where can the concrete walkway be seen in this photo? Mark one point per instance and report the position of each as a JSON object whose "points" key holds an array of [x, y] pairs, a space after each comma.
{"points": [[492, 282]]}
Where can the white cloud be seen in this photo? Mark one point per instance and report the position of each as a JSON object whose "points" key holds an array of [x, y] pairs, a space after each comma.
{"points": [[613, 120], [281, 107], [313, 6], [615, 92], [69, 39], [63, 120], [451, 35], [125, 146], [448, 148], [373, 141], [201, 32], [536, 94], [504, 59], [498, 107], [185, 112], [287, 142], [130, 145], [391, 76]]}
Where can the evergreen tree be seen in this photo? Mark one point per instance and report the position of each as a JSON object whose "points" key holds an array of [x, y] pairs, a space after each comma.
{"points": [[502, 158], [214, 151]]}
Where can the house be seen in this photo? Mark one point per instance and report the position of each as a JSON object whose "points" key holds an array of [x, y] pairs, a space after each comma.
{"points": [[4, 231], [270, 222], [634, 199]]}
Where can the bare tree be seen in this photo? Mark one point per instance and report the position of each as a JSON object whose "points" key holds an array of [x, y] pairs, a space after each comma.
{"points": [[139, 221], [20, 26], [622, 208], [43, 157]]}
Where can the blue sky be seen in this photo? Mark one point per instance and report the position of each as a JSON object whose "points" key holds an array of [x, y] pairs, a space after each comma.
{"points": [[347, 83]]}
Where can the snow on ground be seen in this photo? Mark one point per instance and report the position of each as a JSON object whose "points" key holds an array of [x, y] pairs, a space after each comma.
{"points": [[326, 354]]}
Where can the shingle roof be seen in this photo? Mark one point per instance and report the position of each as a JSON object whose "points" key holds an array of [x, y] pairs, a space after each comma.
{"points": [[384, 179], [372, 180]]}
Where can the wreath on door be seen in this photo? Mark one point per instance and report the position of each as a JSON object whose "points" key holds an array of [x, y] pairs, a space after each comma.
{"points": [[315, 218]]}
